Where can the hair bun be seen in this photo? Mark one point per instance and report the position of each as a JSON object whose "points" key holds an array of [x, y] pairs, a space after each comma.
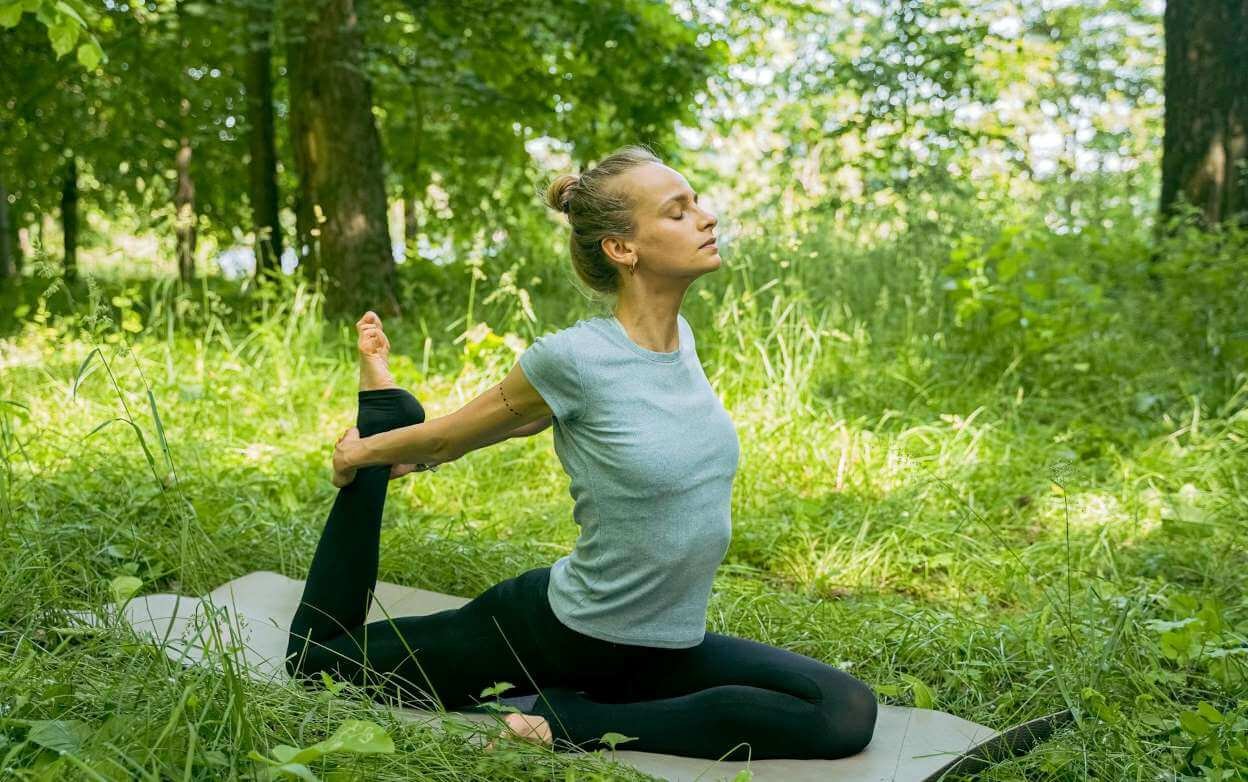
{"points": [[559, 193]]}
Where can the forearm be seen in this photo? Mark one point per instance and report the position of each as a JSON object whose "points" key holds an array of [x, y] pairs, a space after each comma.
{"points": [[418, 444], [415, 444]]}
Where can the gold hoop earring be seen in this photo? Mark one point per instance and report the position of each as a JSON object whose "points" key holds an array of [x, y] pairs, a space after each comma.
{"points": [[633, 269]]}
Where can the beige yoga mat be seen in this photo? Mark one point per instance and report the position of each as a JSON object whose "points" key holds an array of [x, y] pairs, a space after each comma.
{"points": [[250, 616]]}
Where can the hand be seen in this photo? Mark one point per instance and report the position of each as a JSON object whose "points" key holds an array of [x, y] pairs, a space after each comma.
{"points": [[399, 470], [344, 473]]}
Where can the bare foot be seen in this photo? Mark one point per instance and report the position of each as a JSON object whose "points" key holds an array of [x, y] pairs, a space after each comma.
{"points": [[343, 475], [374, 354], [525, 726]]}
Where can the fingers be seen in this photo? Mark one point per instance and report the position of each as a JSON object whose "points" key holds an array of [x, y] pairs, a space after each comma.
{"points": [[399, 470]]}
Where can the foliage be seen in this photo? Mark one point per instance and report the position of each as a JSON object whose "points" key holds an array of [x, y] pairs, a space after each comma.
{"points": [[66, 22], [1018, 534]]}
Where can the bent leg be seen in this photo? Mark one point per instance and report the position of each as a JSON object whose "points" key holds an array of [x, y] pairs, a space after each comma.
{"points": [[343, 574], [727, 691]]}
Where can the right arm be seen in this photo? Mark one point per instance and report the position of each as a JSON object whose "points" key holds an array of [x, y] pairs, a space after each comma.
{"points": [[511, 408]]}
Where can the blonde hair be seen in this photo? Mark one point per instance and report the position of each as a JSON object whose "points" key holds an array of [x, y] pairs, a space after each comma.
{"points": [[596, 210]]}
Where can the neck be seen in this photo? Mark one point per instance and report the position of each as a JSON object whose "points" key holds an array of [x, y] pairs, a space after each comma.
{"points": [[649, 317]]}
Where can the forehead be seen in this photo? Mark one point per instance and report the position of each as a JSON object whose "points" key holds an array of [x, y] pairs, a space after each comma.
{"points": [[653, 183]]}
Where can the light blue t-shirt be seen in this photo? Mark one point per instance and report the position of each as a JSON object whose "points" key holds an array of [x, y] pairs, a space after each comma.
{"points": [[651, 453]]}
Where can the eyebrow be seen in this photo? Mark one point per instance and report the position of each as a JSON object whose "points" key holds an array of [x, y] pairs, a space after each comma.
{"points": [[681, 197]]}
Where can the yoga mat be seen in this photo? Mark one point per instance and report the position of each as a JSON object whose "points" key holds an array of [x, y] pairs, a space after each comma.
{"points": [[250, 615]]}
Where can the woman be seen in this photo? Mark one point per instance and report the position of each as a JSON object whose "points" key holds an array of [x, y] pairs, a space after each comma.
{"points": [[613, 636]]}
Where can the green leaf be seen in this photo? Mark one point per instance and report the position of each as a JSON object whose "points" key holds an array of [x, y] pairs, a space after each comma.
{"points": [[1193, 723], [63, 34], [1004, 318], [1206, 710], [297, 770], [358, 736], [611, 738], [63, 736], [1008, 266], [924, 698], [90, 54], [10, 15], [498, 687], [68, 10], [124, 587]]}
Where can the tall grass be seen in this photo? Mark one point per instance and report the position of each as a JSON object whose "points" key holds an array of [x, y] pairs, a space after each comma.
{"points": [[958, 516]]}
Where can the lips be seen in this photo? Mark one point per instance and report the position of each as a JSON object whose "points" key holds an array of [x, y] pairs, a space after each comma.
{"points": [[707, 243]]}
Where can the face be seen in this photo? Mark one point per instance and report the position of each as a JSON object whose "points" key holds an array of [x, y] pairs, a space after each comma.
{"points": [[672, 226]]}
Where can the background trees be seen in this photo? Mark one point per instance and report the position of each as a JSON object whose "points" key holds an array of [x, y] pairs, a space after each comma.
{"points": [[1205, 161], [372, 134]]}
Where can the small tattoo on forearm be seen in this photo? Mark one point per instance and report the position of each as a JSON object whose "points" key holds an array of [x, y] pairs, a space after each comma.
{"points": [[509, 407]]}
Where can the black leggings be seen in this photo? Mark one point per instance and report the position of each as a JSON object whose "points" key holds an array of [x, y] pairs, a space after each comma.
{"points": [[727, 697]]}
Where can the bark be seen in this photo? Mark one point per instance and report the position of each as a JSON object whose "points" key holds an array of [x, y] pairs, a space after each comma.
{"points": [[69, 219], [411, 220], [184, 220], [411, 217], [342, 200], [184, 205], [7, 267], [24, 248], [1205, 147], [263, 170]]}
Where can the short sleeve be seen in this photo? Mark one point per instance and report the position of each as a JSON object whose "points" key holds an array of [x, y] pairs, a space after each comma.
{"points": [[693, 343], [551, 367]]}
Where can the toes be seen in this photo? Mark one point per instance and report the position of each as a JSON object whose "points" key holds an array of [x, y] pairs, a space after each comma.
{"points": [[373, 338], [371, 335]]}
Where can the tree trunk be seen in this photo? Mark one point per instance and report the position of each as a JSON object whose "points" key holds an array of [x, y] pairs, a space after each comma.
{"points": [[184, 189], [1205, 147], [7, 267], [264, 196], [69, 219], [339, 157], [411, 220], [411, 217], [184, 204]]}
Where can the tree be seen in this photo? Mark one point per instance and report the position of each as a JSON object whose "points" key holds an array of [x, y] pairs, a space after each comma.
{"points": [[69, 218], [261, 136], [1205, 146], [8, 265], [338, 154]]}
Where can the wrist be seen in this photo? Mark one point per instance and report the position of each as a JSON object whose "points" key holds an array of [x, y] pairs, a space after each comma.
{"points": [[357, 454]]}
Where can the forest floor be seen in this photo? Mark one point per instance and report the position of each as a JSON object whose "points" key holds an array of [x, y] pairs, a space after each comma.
{"points": [[997, 535]]}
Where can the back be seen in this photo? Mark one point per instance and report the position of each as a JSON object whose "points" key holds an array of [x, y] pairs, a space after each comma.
{"points": [[652, 454]]}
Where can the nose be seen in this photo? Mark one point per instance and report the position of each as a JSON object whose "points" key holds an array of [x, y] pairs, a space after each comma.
{"points": [[708, 218]]}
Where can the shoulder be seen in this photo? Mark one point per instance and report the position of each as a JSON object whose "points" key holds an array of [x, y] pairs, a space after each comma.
{"points": [[685, 328], [568, 338], [567, 345]]}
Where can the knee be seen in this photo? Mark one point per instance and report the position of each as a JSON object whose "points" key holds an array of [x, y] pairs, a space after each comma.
{"points": [[850, 717]]}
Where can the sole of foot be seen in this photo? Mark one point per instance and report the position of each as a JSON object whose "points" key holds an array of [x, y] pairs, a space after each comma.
{"points": [[374, 349]]}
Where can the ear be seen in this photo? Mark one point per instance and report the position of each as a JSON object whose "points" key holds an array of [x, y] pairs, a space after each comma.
{"points": [[618, 250]]}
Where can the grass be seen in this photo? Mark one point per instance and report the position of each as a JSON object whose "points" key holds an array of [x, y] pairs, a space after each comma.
{"points": [[958, 518]]}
